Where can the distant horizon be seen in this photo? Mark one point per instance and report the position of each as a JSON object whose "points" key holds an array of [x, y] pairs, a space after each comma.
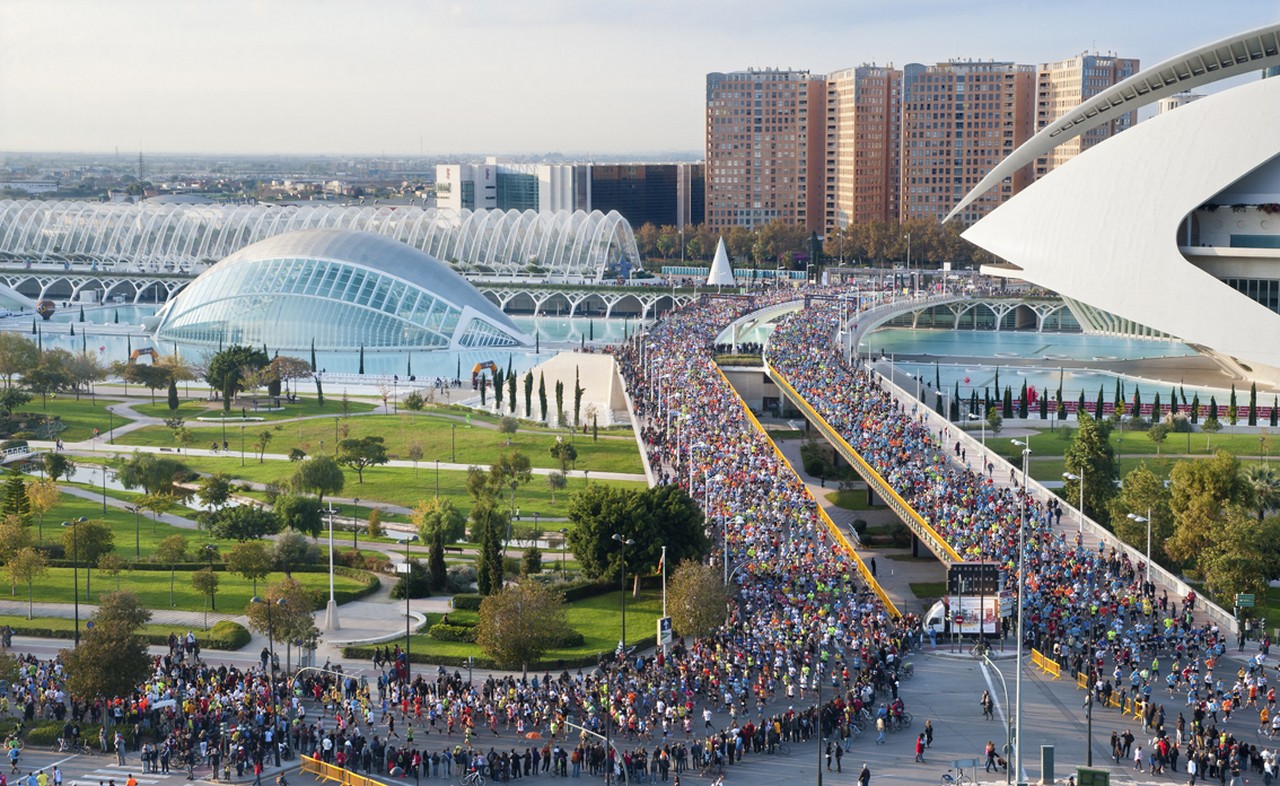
{"points": [[329, 77]]}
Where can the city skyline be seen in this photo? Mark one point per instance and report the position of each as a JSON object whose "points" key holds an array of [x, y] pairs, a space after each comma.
{"points": [[434, 78]]}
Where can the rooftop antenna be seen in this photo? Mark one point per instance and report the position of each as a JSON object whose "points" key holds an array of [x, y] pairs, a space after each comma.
{"points": [[141, 169]]}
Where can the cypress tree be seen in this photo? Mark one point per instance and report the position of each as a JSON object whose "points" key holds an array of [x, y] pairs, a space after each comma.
{"points": [[1253, 404], [1173, 401], [542, 395], [437, 571], [82, 313], [1195, 408], [1080, 405], [1137, 402], [1098, 407], [173, 395], [528, 395], [484, 389], [1155, 410], [1044, 407], [1022, 401], [15, 497], [73, 328], [319, 393], [408, 369], [1008, 402], [313, 356], [361, 359], [1213, 407], [511, 393], [117, 316], [1275, 405]]}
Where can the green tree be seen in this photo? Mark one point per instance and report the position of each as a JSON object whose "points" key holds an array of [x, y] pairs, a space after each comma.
{"points": [[283, 613], [18, 354], [520, 622], [1199, 493], [215, 490], [25, 567], [171, 551], [250, 559], [564, 452], [244, 522], [112, 658], [1142, 492], [57, 465], [577, 400], [260, 444], [359, 454], [556, 481], [437, 570], [511, 394], [153, 474], [85, 543], [488, 525], [663, 515], [1210, 426], [1264, 488], [559, 394], [542, 395], [205, 582], [508, 426], [111, 565], [292, 549], [318, 475], [1158, 434], [373, 525], [1091, 456], [699, 599], [51, 374], [13, 497], [42, 497], [299, 513], [509, 472], [438, 514], [531, 561], [1240, 554], [228, 370], [528, 394], [994, 421]]}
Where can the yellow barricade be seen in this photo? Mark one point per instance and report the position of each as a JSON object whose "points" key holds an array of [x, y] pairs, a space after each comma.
{"points": [[330, 772], [1045, 664], [863, 570], [1082, 680]]}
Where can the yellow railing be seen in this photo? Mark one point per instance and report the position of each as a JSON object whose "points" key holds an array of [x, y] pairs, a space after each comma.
{"points": [[914, 521], [332, 772], [863, 570], [1045, 664]]}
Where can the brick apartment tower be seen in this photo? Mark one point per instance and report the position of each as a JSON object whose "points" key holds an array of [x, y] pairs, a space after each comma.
{"points": [[959, 119], [864, 123], [766, 148], [1063, 85]]}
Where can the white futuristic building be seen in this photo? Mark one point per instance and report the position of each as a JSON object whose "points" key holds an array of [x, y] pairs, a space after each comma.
{"points": [[334, 290], [1171, 228], [170, 236]]}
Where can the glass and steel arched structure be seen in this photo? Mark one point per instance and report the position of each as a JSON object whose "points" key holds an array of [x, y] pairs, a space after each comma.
{"points": [[167, 236], [340, 289]]}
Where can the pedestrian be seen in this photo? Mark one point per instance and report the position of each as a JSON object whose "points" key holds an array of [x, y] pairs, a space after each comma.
{"points": [[829, 755], [839, 756], [864, 777], [872, 565], [1137, 758], [988, 705], [920, 748], [880, 724], [928, 733], [991, 756], [1191, 771]]}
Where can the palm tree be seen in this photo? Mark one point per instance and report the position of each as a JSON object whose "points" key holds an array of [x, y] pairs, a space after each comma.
{"points": [[1264, 487]]}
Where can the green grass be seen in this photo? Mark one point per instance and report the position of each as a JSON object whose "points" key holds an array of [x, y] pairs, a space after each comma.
{"points": [[928, 589], [399, 486], [598, 619], [61, 624], [436, 436], [152, 588], [81, 417], [303, 407], [852, 500]]}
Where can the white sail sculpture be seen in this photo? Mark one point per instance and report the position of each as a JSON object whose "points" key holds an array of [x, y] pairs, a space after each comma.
{"points": [[721, 271]]}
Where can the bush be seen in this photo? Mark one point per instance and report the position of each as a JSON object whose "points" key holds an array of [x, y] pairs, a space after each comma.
{"points": [[413, 401], [461, 577], [226, 635], [467, 601], [443, 631], [417, 583]]}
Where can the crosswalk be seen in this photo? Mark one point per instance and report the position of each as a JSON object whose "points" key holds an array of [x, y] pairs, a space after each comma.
{"points": [[119, 773]]}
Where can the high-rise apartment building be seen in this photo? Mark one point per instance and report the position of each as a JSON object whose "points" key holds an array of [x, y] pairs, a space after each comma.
{"points": [[863, 138], [1063, 85], [959, 118], [766, 148]]}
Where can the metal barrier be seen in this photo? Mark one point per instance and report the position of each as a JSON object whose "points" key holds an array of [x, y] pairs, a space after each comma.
{"points": [[1045, 664], [332, 772], [914, 521], [839, 536]]}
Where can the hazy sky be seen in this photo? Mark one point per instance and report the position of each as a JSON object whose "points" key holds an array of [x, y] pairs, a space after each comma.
{"points": [[495, 76]]}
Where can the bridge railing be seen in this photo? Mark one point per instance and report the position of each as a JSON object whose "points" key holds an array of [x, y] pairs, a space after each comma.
{"points": [[839, 536], [907, 514]]}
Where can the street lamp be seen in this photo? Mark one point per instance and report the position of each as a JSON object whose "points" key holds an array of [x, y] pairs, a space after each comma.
{"points": [[355, 526], [74, 524], [1147, 520], [137, 531], [331, 610], [453, 443], [406, 568], [623, 586], [1079, 479], [1022, 583], [209, 550], [271, 638], [1008, 732], [242, 444], [910, 279], [564, 539]]}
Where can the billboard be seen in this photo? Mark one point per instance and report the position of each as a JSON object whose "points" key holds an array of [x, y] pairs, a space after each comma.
{"points": [[964, 613]]}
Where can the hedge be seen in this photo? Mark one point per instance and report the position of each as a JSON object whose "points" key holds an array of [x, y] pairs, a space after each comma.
{"points": [[485, 662], [445, 632], [573, 591], [224, 635], [467, 601]]}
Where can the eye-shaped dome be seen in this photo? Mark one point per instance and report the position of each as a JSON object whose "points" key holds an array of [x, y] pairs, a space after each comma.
{"points": [[339, 289]]}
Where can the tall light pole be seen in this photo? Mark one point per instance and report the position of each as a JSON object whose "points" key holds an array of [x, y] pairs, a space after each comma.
{"points": [[1008, 731], [74, 524], [1079, 479], [910, 278], [355, 523], [331, 610], [625, 542], [137, 532], [984, 435], [453, 443], [564, 539], [1147, 520], [1022, 583]]}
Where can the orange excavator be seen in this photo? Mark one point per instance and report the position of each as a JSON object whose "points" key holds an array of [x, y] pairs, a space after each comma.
{"points": [[479, 369]]}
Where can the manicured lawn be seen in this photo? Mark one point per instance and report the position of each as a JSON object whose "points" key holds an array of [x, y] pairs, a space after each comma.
{"points": [[852, 500], [81, 417], [928, 589], [303, 407], [437, 436], [152, 587], [61, 624], [399, 486], [598, 619]]}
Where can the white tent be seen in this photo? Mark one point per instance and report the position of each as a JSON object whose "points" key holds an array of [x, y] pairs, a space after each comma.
{"points": [[721, 271]]}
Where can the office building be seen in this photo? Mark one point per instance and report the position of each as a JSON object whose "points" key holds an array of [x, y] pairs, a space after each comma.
{"points": [[863, 140], [1064, 85]]}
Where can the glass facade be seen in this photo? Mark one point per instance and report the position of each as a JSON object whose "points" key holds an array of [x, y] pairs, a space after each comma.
{"points": [[298, 291]]}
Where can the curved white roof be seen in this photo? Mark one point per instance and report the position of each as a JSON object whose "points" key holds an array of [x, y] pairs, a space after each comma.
{"points": [[163, 236], [1229, 57], [1103, 229]]}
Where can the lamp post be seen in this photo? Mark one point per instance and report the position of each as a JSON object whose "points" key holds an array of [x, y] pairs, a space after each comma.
{"points": [[910, 278], [137, 531], [1008, 731], [1147, 520], [75, 570], [453, 443], [242, 444], [1022, 583], [209, 550], [564, 540], [1079, 479], [437, 478], [623, 586], [104, 488], [355, 526], [406, 568], [331, 610]]}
